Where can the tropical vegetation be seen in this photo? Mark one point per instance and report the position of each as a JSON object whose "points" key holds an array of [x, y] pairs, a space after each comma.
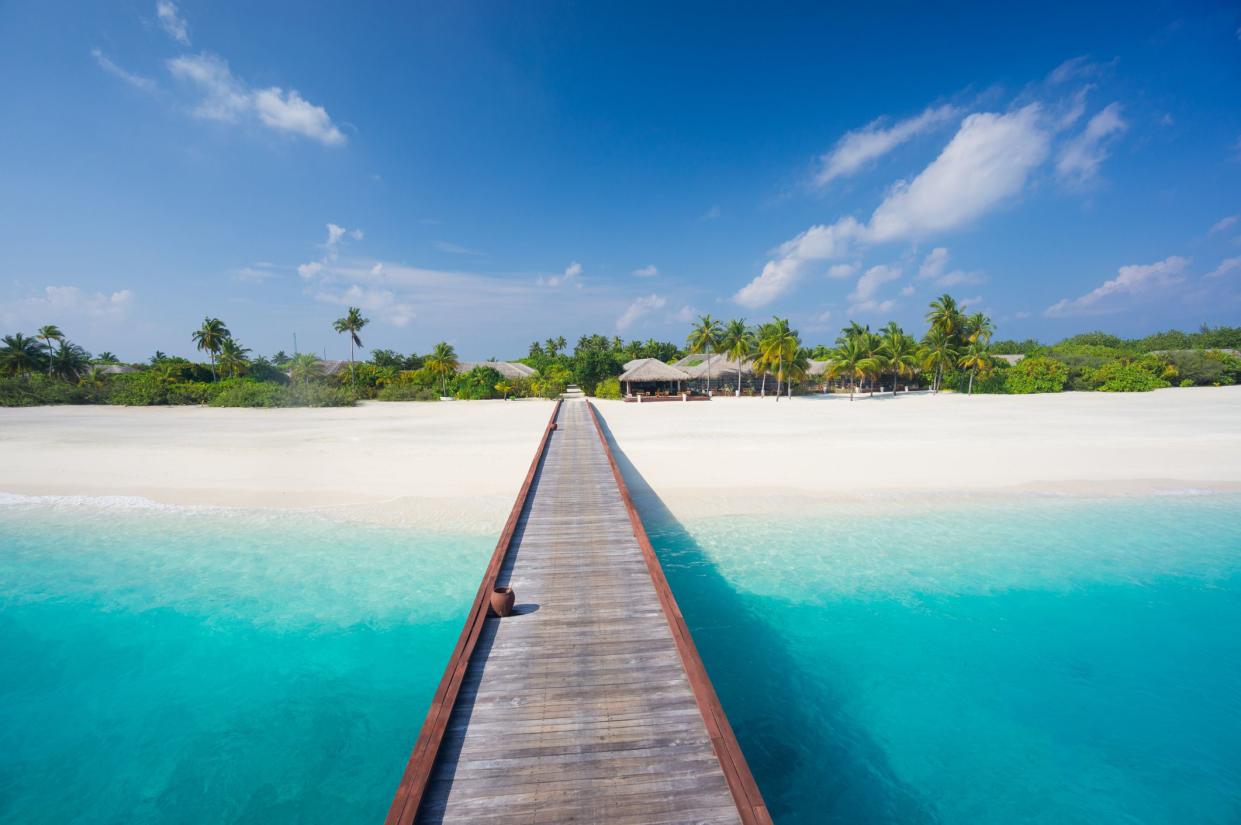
{"points": [[956, 352]]}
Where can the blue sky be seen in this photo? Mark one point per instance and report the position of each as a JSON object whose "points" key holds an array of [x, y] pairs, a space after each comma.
{"points": [[491, 173]]}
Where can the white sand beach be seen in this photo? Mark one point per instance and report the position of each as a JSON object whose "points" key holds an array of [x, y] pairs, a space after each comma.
{"points": [[457, 465]]}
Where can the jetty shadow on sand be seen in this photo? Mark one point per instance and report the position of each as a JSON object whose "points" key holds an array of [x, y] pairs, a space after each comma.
{"points": [[792, 731]]}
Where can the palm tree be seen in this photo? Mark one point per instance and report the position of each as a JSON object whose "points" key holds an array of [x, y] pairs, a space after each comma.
{"points": [[979, 328], [777, 345], [210, 337], [442, 362], [738, 344], [977, 359], [233, 357], [705, 335], [798, 367], [304, 368], [107, 357], [937, 351], [352, 323], [899, 353], [945, 316], [504, 388], [850, 359], [49, 333], [20, 354], [68, 361], [93, 379]]}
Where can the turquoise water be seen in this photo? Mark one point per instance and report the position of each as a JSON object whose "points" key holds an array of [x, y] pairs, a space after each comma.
{"points": [[1051, 661], [171, 665]]}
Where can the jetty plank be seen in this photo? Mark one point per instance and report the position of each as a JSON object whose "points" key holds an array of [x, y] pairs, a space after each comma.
{"points": [[589, 703]]}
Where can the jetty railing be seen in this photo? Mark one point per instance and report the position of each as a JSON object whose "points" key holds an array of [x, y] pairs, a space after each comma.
{"points": [[741, 782], [421, 761]]}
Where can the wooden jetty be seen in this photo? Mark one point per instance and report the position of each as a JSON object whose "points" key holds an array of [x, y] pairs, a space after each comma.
{"points": [[589, 703]]}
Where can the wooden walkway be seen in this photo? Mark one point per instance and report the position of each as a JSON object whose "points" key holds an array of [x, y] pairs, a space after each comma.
{"points": [[589, 704]]}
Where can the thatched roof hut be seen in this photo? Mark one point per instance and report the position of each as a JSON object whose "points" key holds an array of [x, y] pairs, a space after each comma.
{"points": [[721, 367], [509, 369], [652, 370], [1011, 359]]}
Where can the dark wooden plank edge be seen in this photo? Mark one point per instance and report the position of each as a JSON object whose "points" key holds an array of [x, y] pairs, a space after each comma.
{"points": [[426, 748], [749, 800]]}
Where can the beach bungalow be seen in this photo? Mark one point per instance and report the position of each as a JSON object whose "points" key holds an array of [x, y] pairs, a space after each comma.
{"points": [[652, 377]]}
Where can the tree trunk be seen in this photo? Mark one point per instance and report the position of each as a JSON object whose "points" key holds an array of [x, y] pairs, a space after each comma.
{"points": [[779, 377], [708, 369], [971, 392], [213, 375], [763, 392]]}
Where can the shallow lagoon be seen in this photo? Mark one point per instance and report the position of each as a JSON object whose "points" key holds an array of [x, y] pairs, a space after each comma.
{"points": [[1048, 660], [995, 661]]}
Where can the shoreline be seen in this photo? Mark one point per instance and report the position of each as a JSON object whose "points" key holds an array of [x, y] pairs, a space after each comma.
{"points": [[455, 467]]}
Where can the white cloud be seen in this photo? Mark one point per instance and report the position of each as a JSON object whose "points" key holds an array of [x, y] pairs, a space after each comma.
{"points": [[874, 278], [649, 271], [973, 301], [782, 274], [571, 272], [1225, 266], [310, 270], [1224, 224], [906, 291], [335, 233], [638, 308], [1074, 68], [382, 302], [290, 112], [146, 84], [985, 163], [63, 304], [864, 295], [711, 214], [842, 270], [934, 264], [685, 314], [226, 98], [172, 22], [1130, 281], [1081, 157], [857, 148]]}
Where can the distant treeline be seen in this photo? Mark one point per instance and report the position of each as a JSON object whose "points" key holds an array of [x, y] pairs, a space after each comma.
{"points": [[956, 352]]}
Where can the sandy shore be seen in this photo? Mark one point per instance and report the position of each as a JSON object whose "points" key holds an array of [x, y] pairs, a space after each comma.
{"points": [[455, 466], [738, 455], [458, 465]]}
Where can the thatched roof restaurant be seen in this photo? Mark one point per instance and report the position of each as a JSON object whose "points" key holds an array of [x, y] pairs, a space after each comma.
{"points": [[648, 370]]}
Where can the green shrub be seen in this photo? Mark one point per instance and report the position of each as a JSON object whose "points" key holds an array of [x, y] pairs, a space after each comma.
{"points": [[1037, 374], [407, 392], [194, 392], [608, 388], [243, 392], [552, 383], [1205, 369], [478, 383], [1130, 376], [139, 389], [315, 394], [36, 390]]}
